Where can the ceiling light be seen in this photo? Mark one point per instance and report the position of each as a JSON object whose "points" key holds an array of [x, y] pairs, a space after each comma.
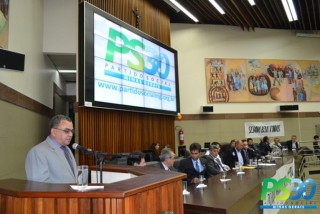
{"points": [[67, 71], [172, 5], [214, 3], [252, 2], [184, 10], [290, 10]]}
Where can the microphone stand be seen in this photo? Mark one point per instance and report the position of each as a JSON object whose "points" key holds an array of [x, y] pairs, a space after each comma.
{"points": [[100, 157]]}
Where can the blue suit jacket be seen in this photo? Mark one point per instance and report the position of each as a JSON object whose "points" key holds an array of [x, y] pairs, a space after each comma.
{"points": [[46, 163]]}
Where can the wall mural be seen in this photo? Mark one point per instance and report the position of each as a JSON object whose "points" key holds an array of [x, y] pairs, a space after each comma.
{"points": [[253, 80]]}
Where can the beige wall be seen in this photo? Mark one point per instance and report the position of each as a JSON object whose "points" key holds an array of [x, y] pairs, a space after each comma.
{"points": [[194, 43], [20, 129], [201, 131]]}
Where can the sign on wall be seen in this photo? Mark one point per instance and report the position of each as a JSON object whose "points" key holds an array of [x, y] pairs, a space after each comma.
{"points": [[253, 80], [261, 129]]}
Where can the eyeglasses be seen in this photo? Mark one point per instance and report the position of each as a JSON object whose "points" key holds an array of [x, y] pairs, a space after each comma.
{"points": [[66, 131]]}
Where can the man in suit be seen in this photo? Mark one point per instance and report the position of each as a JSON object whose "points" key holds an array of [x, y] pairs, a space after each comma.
{"points": [[140, 161], [264, 146], [236, 154], [194, 165], [166, 160], [292, 144], [248, 154], [214, 165], [276, 145], [52, 161]]}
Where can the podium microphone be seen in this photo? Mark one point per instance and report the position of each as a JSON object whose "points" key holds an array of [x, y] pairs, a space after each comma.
{"points": [[81, 148]]}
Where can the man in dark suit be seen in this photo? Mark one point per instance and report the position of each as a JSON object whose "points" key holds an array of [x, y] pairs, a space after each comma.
{"points": [[264, 146], [194, 165], [292, 144], [214, 165], [236, 154], [166, 160]]}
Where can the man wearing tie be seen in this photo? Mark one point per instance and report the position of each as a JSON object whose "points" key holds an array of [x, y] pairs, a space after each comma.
{"points": [[194, 165], [166, 160], [52, 161], [214, 165]]}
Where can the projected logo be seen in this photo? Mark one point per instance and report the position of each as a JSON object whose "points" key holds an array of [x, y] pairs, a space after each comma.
{"points": [[159, 63], [273, 189]]}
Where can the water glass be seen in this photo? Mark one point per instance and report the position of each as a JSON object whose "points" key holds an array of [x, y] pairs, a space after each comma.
{"points": [[237, 165], [224, 174], [250, 162], [184, 185], [83, 174], [201, 179]]}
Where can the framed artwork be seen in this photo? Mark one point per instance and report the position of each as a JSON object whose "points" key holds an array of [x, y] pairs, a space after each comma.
{"points": [[263, 80], [4, 23]]}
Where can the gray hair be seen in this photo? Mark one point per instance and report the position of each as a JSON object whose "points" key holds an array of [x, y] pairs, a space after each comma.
{"points": [[54, 122], [211, 147], [165, 154]]}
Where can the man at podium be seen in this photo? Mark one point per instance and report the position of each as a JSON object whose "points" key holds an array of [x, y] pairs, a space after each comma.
{"points": [[52, 161]]}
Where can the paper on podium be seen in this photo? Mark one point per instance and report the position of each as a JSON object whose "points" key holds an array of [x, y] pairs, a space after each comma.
{"points": [[201, 186], [225, 180], [75, 187], [240, 173]]}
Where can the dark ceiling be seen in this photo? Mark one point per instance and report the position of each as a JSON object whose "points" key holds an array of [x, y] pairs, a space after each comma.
{"points": [[265, 14]]}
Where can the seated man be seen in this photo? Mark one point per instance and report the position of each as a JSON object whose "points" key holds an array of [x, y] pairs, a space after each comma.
{"points": [[166, 160], [292, 144], [194, 165], [236, 154], [254, 148], [276, 145], [214, 165], [139, 161], [248, 154], [264, 146]]}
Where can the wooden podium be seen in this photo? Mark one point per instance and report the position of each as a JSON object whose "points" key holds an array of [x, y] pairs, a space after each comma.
{"points": [[153, 191]]}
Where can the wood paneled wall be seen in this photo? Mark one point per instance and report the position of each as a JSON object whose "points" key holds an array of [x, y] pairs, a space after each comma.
{"points": [[155, 20], [118, 131], [114, 131]]}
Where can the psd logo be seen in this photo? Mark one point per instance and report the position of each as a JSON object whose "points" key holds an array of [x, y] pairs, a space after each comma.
{"points": [[131, 49], [299, 188]]}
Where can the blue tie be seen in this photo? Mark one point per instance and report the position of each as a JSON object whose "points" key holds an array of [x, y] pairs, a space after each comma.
{"points": [[197, 167]]}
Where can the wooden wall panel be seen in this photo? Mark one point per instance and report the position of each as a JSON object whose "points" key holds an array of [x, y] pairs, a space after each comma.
{"points": [[114, 131], [155, 20]]}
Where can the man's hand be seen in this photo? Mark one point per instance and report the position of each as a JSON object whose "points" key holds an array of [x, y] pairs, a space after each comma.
{"points": [[195, 180]]}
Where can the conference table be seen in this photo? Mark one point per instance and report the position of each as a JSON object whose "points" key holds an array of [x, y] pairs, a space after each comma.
{"points": [[239, 195], [151, 191]]}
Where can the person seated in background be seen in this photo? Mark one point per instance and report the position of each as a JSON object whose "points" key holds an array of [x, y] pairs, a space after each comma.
{"points": [[264, 146], [139, 161], [167, 146], [166, 160], [292, 144], [220, 153], [232, 143], [276, 145], [193, 166], [214, 164], [248, 154], [236, 154], [155, 151], [254, 148]]}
